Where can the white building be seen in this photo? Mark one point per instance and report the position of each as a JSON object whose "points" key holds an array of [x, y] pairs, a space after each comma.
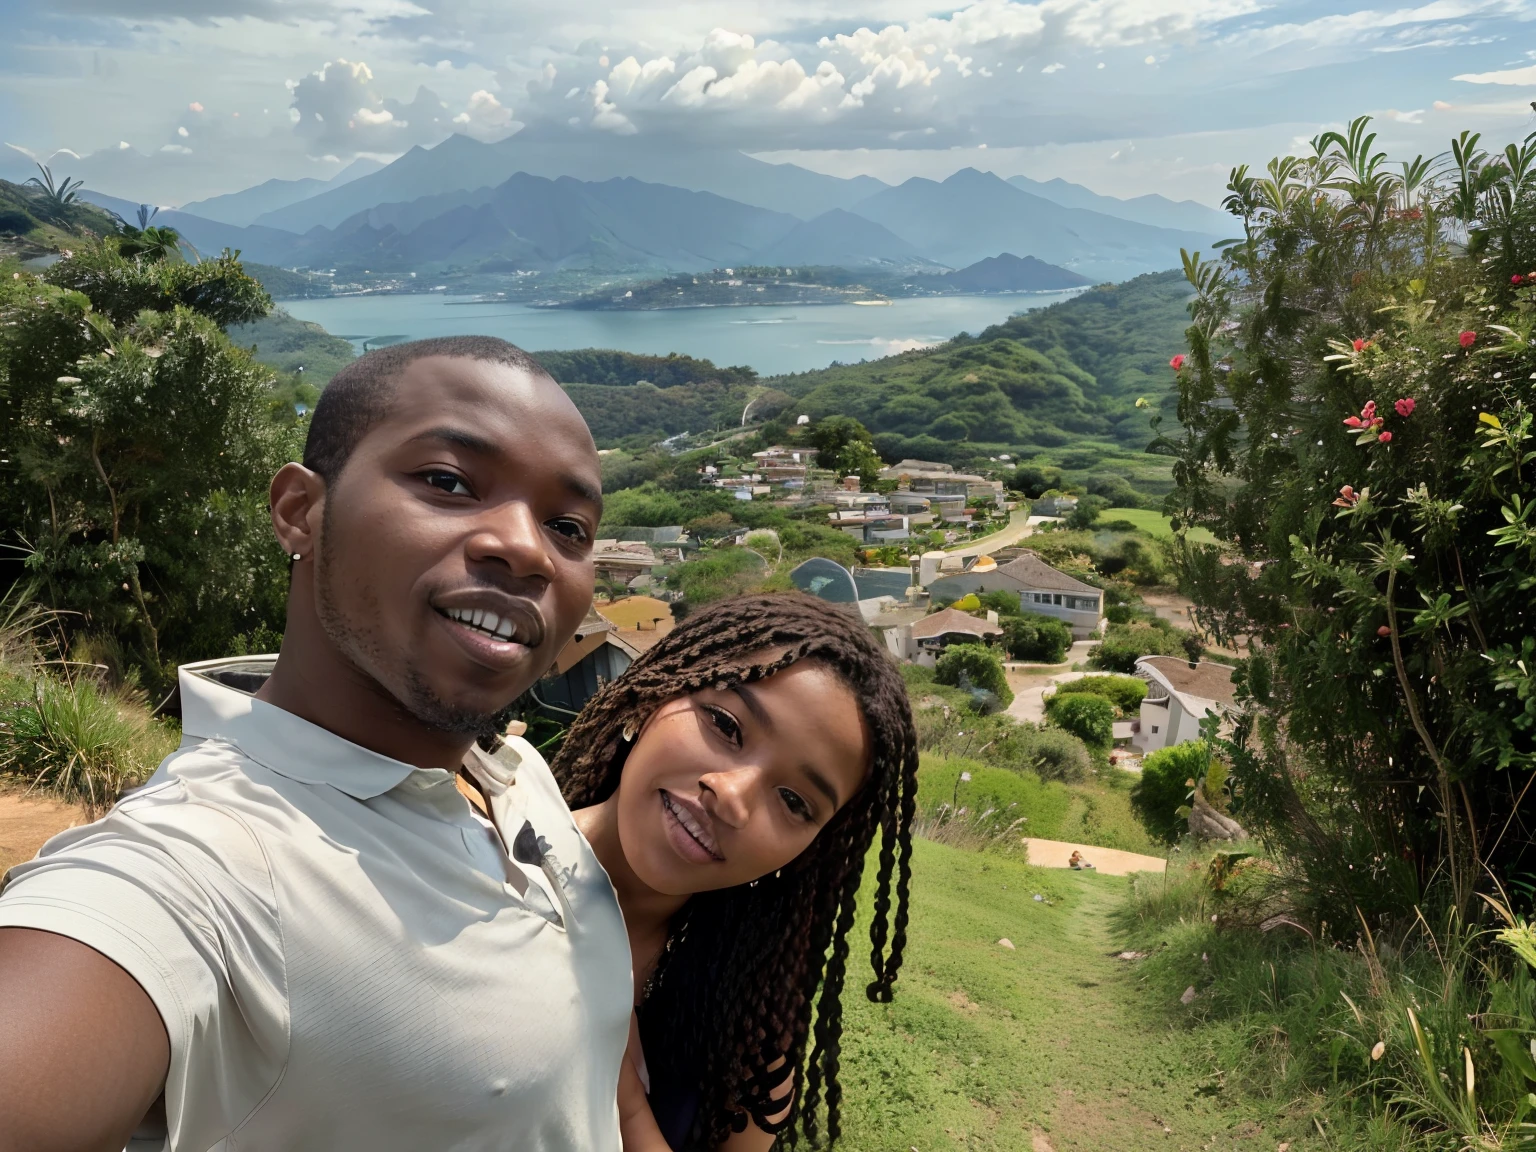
{"points": [[1040, 588], [1179, 696]]}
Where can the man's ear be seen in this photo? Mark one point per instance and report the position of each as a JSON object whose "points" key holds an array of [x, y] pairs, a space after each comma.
{"points": [[298, 502]]}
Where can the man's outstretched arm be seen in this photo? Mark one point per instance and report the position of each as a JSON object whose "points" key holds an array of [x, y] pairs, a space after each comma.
{"points": [[83, 1052]]}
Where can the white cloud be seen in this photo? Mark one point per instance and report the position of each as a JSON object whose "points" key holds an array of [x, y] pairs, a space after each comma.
{"points": [[606, 116], [1051, 69], [485, 118], [178, 149], [1414, 117], [1522, 76], [182, 132], [339, 109]]}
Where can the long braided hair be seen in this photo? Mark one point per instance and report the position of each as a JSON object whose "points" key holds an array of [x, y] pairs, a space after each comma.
{"points": [[737, 983]]}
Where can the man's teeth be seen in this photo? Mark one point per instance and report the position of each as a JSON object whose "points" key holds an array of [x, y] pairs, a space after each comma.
{"points": [[483, 620]]}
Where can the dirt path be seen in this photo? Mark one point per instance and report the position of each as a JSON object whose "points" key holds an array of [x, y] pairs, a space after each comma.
{"points": [[1049, 1046], [1020, 525], [1105, 861], [27, 821]]}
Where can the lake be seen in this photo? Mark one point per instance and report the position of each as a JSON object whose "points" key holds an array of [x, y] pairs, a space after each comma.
{"points": [[772, 340]]}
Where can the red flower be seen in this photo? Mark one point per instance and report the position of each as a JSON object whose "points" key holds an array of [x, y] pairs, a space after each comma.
{"points": [[1347, 497], [1516, 278], [1383, 631], [1366, 419], [1177, 362], [1467, 339], [1405, 406], [1360, 345], [1384, 438]]}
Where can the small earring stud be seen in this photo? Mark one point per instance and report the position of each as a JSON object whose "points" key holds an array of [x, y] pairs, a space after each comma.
{"points": [[629, 731], [298, 556]]}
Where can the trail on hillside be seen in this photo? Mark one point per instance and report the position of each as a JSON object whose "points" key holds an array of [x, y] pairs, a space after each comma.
{"points": [[1051, 1045]]}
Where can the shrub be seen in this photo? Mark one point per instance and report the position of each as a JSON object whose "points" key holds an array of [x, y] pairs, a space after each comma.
{"points": [[1125, 692], [1001, 601], [83, 745], [980, 667], [1124, 644], [1037, 638], [1054, 754], [970, 602], [1090, 718], [1167, 778]]}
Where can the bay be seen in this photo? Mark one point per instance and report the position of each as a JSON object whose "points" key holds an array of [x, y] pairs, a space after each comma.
{"points": [[773, 340]]}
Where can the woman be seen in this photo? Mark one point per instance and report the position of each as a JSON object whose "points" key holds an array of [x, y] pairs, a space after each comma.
{"points": [[731, 782]]}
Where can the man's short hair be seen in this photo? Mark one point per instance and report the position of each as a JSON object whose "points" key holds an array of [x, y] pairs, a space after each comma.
{"points": [[358, 396]]}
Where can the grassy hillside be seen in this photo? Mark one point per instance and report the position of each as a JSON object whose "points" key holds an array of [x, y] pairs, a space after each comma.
{"points": [[1044, 379], [30, 225], [288, 344]]}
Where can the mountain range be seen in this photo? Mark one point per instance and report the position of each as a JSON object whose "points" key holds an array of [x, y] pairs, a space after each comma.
{"points": [[468, 205]]}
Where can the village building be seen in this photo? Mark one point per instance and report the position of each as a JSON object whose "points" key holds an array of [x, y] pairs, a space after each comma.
{"points": [[622, 561], [778, 465], [594, 656], [1040, 589], [930, 478], [932, 634], [1179, 696]]}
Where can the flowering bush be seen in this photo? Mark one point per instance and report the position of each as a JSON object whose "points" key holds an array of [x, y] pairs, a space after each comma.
{"points": [[1385, 595]]}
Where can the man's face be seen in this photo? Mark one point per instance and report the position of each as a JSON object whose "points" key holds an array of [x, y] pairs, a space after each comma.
{"points": [[455, 553]]}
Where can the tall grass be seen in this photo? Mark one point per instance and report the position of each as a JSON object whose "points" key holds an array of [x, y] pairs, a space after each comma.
{"points": [[62, 729], [1425, 1041]]}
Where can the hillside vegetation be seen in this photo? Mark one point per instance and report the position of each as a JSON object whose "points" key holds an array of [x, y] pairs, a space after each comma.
{"points": [[34, 224]]}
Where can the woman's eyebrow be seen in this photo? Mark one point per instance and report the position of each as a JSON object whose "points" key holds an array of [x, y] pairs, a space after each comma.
{"points": [[754, 705], [822, 785]]}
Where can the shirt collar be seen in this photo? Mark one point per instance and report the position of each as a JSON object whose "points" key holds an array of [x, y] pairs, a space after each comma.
{"points": [[277, 739]]}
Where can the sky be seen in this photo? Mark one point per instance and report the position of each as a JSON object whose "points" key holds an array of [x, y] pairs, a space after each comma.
{"points": [[170, 101]]}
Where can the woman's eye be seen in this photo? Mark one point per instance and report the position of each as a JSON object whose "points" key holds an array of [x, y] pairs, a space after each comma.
{"points": [[449, 482], [724, 722], [572, 530], [795, 803]]}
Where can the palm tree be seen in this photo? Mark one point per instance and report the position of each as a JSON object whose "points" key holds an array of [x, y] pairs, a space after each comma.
{"points": [[148, 241], [56, 197]]}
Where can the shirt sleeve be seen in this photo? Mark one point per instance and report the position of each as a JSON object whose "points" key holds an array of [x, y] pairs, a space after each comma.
{"points": [[178, 894]]}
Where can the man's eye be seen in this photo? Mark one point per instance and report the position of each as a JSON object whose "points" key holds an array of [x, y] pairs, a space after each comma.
{"points": [[449, 482], [724, 722], [573, 530], [795, 803]]}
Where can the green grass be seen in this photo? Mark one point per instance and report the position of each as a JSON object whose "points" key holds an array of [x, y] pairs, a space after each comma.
{"points": [[1154, 524], [990, 1048], [1095, 812]]}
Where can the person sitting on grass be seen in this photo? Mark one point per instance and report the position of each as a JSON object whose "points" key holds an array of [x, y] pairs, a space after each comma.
{"points": [[731, 782]]}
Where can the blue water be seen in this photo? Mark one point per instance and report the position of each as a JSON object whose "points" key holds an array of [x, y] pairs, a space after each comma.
{"points": [[772, 340]]}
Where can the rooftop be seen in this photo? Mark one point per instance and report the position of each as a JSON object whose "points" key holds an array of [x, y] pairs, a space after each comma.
{"points": [[948, 620], [1034, 572], [1205, 681]]}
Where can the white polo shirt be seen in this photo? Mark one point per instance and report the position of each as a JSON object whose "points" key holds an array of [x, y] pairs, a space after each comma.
{"points": [[335, 949]]}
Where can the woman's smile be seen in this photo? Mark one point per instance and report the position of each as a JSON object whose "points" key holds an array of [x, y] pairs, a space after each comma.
{"points": [[690, 829]]}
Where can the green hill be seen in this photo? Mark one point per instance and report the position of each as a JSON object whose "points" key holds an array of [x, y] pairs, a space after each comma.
{"points": [[1041, 380], [31, 225]]}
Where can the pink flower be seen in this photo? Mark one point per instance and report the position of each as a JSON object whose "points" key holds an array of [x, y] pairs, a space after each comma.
{"points": [[1348, 498], [1366, 419], [1383, 631], [1405, 406], [1467, 339], [1384, 438], [1516, 278], [1177, 362]]}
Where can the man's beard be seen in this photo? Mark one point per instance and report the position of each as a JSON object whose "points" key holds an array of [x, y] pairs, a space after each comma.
{"points": [[414, 695]]}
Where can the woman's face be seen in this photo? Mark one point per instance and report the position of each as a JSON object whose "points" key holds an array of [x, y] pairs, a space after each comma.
{"points": [[724, 787]]}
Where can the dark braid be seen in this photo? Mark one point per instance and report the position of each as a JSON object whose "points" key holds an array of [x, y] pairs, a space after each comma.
{"points": [[745, 970]]}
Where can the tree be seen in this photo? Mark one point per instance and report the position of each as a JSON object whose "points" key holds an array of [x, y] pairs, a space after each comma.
{"points": [[138, 446], [1040, 639], [1088, 717], [978, 666], [57, 196], [1034, 480], [844, 445], [1161, 794], [1086, 512], [1124, 644], [1125, 692], [1356, 429]]}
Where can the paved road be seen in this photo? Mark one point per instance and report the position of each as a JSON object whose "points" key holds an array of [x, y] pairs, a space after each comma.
{"points": [[1020, 525]]}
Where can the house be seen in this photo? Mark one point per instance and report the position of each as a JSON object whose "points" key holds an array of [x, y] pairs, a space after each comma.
{"points": [[932, 634], [1040, 588], [929, 477], [590, 659], [871, 528], [779, 465], [621, 561], [1053, 505], [1179, 696], [893, 622]]}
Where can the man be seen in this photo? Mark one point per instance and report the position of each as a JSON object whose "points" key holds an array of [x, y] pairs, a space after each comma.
{"points": [[299, 934]]}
